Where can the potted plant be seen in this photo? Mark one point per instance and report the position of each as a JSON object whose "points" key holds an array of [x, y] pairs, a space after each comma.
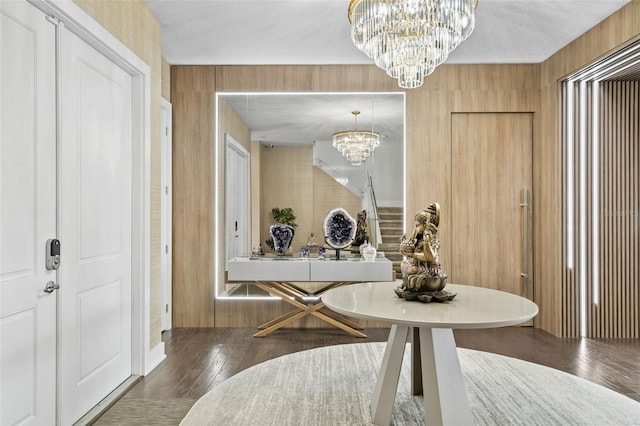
{"points": [[284, 216]]}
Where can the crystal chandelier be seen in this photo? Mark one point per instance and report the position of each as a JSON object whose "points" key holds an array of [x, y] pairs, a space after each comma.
{"points": [[410, 38], [356, 145]]}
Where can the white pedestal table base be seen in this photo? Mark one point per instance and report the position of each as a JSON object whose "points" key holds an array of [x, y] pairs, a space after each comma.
{"points": [[435, 369]]}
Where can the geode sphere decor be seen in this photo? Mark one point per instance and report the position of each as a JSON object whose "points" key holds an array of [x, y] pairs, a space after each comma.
{"points": [[339, 229], [282, 236]]}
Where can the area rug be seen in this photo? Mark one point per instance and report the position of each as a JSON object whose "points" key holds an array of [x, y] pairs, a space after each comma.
{"points": [[332, 386]]}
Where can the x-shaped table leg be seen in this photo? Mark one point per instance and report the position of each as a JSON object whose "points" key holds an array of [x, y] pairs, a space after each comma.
{"points": [[305, 309]]}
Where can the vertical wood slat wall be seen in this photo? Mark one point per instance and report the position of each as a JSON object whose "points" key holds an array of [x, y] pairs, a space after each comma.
{"points": [[606, 258], [616, 314]]}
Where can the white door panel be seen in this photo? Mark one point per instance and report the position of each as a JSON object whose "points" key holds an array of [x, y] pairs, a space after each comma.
{"points": [[95, 219], [27, 216], [103, 301], [236, 199]]}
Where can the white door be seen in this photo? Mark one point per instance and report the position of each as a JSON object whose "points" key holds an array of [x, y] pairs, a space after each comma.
{"points": [[237, 199], [94, 315], [27, 216]]}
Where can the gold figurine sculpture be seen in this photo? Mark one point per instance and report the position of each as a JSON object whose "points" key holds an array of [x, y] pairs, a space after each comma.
{"points": [[422, 276]]}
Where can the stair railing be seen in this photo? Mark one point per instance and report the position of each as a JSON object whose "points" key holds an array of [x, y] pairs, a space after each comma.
{"points": [[375, 218]]}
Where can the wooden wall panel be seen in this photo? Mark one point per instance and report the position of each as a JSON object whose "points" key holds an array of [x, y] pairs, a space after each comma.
{"points": [[456, 89], [194, 78], [493, 88], [547, 158], [428, 157], [352, 78], [287, 181], [265, 78], [491, 162], [193, 219], [231, 123]]}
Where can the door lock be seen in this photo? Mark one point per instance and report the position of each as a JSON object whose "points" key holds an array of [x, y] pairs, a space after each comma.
{"points": [[50, 287], [52, 254]]}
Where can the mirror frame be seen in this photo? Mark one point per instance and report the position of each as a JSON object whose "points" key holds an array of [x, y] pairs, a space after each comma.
{"points": [[218, 270]]}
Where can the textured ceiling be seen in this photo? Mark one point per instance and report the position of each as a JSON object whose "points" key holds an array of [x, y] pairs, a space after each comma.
{"points": [[301, 119], [263, 32], [236, 32]]}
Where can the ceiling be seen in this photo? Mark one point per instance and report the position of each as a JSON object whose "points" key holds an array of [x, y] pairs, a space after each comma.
{"points": [[305, 118], [269, 32], [253, 32]]}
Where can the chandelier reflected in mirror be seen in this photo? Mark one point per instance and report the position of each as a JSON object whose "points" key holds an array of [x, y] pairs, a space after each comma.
{"points": [[410, 38], [356, 145]]}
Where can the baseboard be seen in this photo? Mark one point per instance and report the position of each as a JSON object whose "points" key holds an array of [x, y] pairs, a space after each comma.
{"points": [[154, 357]]}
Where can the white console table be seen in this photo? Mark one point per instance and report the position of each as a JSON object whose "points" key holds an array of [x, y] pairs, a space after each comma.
{"points": [[284, 277]]}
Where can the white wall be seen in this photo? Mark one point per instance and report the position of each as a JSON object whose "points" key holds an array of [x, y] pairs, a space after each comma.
{"points": [[385, 167]]}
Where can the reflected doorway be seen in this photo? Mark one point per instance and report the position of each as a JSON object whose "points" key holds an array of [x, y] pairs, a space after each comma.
{"points": [[237, 206]]}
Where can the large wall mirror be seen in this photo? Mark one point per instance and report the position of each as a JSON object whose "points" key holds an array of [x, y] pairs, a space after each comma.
{"points": [[275, 150]]}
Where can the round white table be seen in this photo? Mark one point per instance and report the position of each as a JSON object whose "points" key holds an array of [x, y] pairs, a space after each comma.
{"points": [[434, 358]]}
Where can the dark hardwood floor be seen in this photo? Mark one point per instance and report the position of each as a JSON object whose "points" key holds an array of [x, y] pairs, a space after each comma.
{"points": [[198, 359]]}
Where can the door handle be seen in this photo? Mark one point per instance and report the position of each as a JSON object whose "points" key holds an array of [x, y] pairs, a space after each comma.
{"points": [[50, 287], [524, 204]]}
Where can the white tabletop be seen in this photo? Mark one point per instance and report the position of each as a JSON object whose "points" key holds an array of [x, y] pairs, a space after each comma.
{"points": [[354, 269], [310, 269], [268, 269], [473, 307]]}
